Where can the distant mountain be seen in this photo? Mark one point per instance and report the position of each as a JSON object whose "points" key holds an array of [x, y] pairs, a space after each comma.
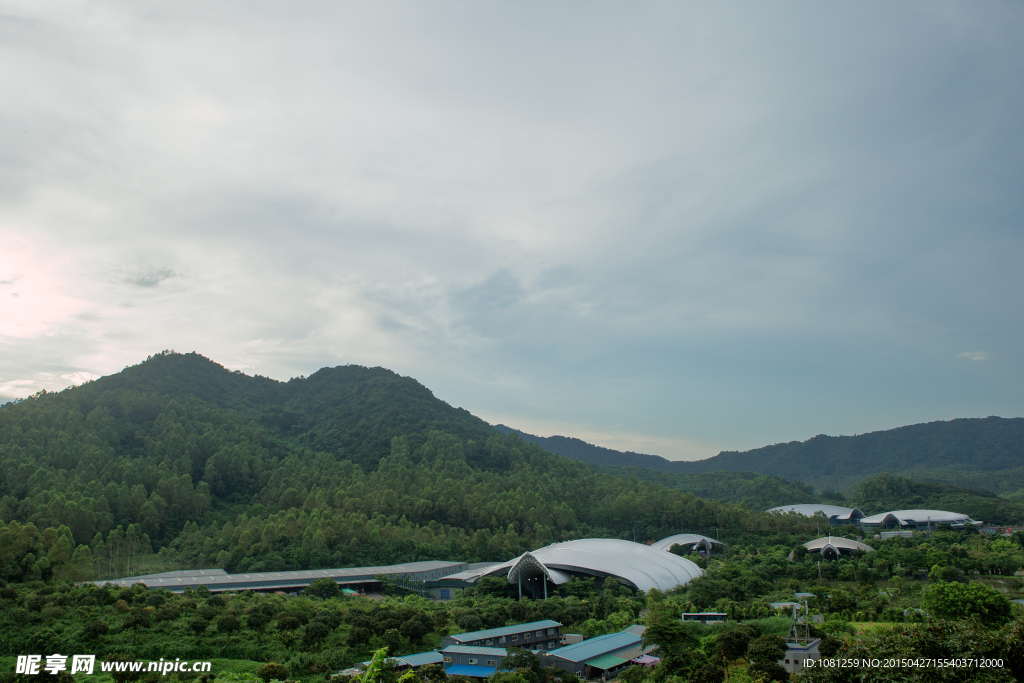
{"points": [[577, 449], [980, 453]]}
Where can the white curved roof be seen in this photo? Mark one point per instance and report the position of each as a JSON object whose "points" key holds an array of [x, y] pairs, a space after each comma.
{"points": [[839, 543], [638, 564], [810, 509], [682, 539], [919, 516]]}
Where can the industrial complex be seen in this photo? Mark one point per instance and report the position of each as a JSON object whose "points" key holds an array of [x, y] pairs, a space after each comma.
{"points": [[901, 520], [535, 574]]}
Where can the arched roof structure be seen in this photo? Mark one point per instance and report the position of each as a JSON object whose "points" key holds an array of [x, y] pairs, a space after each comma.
{"points": [[692, 541], [833, 547], [918, 519], [836, 514], [637, 565]]}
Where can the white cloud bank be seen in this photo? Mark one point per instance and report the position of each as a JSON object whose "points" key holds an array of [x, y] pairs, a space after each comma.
{"points": [[701, 227]]}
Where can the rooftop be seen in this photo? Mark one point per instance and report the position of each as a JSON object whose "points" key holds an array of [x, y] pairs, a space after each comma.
{"points": [[475, 650], [595, 647], [504, 630]]}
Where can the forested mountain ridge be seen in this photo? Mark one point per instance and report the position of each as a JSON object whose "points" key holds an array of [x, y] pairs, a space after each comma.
{"points": [[351, 466], [979, 452]]}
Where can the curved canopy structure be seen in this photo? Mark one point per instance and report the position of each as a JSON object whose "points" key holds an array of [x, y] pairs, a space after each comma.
{"points": [[833, 547], [917, 519], [837, 515], [690, 541], [636, 565]]}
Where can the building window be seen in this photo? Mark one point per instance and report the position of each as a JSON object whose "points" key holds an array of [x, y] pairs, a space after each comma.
{"points": [[787, 661], [502, 639], [473, 661], [490, 641], [515, 638], [551, 631], [540, 634], [490, 662], [448, 660], [797, 662]]}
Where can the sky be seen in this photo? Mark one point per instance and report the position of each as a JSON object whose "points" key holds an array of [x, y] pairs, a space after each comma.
{"points": [[675, 228]]}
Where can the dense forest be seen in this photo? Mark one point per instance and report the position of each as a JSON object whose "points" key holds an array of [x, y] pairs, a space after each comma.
{"points": [[179, 463], [977, 453], [943, 594], [130, 473]]}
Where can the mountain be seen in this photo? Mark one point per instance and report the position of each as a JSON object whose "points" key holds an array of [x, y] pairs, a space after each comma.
{"points": [[178, 462], [985, 453], [577, 449]]}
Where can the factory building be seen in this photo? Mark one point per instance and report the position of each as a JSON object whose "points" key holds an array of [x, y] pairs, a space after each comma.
{"points": [[413, 575], [598, 656], [535, 635]]}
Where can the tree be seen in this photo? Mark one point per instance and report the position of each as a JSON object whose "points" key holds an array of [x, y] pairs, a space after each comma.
{"points": [[767, 649], [272, 672], [315, 632], [198, 625], [414, 629], [95, 629], [963, 600], [323, 588], [520, 658], [257, 621], [228, 624], [392, 640], [732, 644]]}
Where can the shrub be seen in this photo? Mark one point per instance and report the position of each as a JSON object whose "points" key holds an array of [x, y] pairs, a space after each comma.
{"points": [[287, 622], [963, 600], [315, 632], [95, 629], [272, 672], [228, 624]]}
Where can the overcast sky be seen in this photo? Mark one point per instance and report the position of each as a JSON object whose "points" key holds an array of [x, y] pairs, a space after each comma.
{"points": [[676, 228]]}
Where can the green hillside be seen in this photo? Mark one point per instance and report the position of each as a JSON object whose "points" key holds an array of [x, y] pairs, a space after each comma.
{"points": [[350, 466], [983, 453]]}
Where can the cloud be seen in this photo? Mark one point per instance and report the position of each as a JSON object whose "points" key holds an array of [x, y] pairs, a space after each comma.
{"points": [[18, 388], [147, 277], [77, 378], [674, 224], [975, 355]]}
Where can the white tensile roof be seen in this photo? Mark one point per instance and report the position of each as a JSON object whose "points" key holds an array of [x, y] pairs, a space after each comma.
{"points": [[918, 516], [810, 509], [682, 539], [642, 566], [839, 543]]}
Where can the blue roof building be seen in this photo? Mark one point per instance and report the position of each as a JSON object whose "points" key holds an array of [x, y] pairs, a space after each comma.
{"points": [[595, 656], [535, 635]]}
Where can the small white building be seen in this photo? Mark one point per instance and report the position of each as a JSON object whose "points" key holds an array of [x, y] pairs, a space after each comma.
{"points": [[798, 653]]}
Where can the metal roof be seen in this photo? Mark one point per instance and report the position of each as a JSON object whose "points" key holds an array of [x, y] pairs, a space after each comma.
{"points": [[639, 565], [683, 539], [505, 630], [471, 670], [606, 662], [421, 658], [810, 509], [595, 647], [290, 579], [839, 543], [475, 650], [904, 517]]}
